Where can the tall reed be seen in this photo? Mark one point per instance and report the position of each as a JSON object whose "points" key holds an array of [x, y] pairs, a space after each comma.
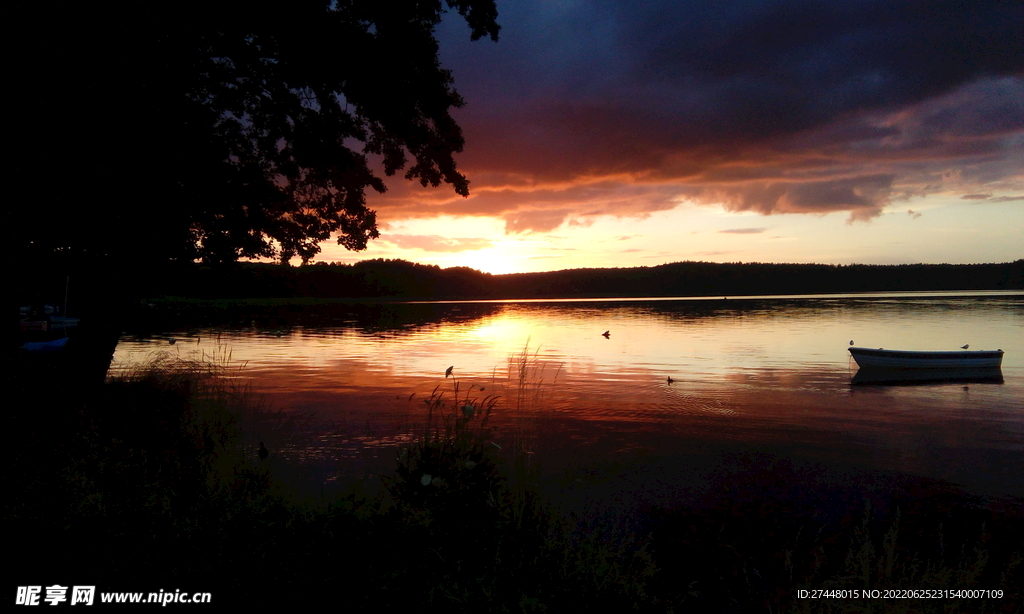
{"points": [[527, 387]]}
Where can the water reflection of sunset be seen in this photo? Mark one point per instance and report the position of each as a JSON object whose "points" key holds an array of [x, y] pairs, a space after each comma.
{"points": [[760, 373]]}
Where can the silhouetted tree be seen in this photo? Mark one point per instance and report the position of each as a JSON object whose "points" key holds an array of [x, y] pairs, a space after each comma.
{"points": [[219, 130]]}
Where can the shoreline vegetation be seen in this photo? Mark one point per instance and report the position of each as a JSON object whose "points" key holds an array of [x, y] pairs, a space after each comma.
{"points": [[402, 280], [151, 481], [399, 280]]}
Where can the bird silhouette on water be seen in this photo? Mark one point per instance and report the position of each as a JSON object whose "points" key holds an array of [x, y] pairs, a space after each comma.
{"points": [[606, 334], [448, 371], [669, 379], [965, 346], [263, 452]]}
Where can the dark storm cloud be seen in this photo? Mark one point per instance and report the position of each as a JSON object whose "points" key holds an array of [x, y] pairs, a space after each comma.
{"points": [[584, 108], [772, 67]]}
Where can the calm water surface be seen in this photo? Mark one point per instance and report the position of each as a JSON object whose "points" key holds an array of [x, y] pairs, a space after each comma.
{"points": [[764, 373]]}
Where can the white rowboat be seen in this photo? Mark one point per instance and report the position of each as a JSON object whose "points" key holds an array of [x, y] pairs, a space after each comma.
{"points": [[906, 359]]}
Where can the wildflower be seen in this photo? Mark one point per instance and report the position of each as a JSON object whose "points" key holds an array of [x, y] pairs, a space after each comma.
{"points": [[426, 479], [470, 464], [467, 410]]}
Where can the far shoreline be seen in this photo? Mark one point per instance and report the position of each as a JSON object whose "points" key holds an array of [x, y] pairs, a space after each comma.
{"points": [[270, 301]]}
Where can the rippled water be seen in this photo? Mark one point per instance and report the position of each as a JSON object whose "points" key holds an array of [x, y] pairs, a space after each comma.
{"points": [[760, 373]]}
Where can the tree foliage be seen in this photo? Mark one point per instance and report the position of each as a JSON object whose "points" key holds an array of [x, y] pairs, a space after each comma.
{"points": [[219, 130]]}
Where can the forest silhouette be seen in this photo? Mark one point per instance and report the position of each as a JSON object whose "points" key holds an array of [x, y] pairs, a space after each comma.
{"points": [[402, 280]]}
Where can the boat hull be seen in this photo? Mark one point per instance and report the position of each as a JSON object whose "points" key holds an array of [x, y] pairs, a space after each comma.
{"points": [[979, 375], [905, 359], [44, 347]]}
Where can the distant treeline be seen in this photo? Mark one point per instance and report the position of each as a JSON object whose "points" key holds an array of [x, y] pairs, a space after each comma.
{"points": [[400, 279]]}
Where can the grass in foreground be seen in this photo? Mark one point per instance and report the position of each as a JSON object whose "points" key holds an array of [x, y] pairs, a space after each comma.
{"points": [[153, 485]]}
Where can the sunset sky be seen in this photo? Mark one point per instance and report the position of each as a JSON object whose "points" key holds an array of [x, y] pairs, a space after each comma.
{"points": [[637, 133]]}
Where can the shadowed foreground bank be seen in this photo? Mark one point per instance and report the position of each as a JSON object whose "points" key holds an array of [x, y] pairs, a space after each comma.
{"points": [[147, 484]]}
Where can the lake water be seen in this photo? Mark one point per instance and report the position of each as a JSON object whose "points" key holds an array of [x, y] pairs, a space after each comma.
{"points": [[762, 374]]}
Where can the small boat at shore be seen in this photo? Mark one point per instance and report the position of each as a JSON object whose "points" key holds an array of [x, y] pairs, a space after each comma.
{"points": [[909, 359], [44, 347]]}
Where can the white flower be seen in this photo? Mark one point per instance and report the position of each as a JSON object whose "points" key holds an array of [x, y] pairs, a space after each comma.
{"points": [[470, 464], [425, 480]]}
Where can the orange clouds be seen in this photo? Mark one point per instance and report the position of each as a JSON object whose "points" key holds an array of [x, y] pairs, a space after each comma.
{"points": [[545, 167], [862, 196], [435, 243]]}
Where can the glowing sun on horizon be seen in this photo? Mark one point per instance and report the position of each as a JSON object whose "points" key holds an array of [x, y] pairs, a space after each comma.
{"points": [[495, 261]]}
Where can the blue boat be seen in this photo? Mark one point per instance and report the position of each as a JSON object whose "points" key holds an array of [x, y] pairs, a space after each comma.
{"points": [[42, 347]]}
